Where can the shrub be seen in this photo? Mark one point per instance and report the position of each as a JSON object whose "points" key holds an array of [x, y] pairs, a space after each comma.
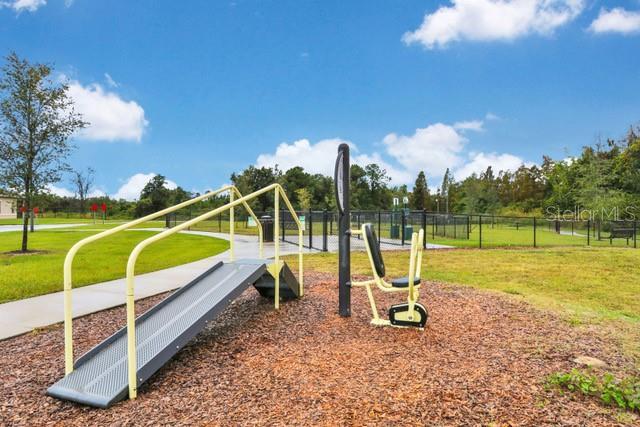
{"points": [[624, 393]]}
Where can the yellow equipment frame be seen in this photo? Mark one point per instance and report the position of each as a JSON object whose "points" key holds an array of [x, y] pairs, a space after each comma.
{"points": [[275, 271], [68, 262], [415, 266]]}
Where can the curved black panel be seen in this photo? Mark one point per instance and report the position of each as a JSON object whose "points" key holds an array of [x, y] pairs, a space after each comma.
{"points": [[372, 241]]}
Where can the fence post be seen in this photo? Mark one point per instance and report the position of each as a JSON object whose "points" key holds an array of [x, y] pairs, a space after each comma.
{"points": [[635, 228], [468, 226], [324, 231], [358, 220], [402, 227], [455, 227], [589, 232], [434, 218], [424, 229], [379, 229], [535, 243], [310, 229], [480, 231], [282, 224]]}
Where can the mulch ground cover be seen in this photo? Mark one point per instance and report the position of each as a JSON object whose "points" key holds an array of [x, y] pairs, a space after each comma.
{"points": [[482, 360]]}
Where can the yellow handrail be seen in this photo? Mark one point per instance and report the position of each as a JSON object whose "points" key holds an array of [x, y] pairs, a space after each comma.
{"points": [[68, 261], [133, 257]]}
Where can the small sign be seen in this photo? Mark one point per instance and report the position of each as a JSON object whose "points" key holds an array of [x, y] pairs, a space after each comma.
{"points": [[303, 222], [36, 210], [405, 200], [103, 207], [396, 201], [23, 209], [251, 222], [94, 207]]}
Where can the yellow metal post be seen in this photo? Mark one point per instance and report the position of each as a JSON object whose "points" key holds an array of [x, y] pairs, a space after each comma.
{"points": [[276, 238], [68, 319], [132, 363]]}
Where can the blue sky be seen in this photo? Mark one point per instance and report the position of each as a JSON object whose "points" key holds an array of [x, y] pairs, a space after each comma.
{"points": [[197, 90]]}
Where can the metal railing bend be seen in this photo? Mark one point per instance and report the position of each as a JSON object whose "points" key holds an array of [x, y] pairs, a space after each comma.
{"points": [[133, 257], [68, 261]]}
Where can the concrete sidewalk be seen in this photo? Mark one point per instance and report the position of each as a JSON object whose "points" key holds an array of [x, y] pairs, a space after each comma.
{"points": [[7, 228], [19, 317]]}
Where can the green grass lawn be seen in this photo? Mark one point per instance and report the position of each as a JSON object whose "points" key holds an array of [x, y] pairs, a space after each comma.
{"points": [[594, 286], [23, 276]]}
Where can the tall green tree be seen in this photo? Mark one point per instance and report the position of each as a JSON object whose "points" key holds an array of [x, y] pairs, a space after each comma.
{"points": [[420, 194], [378, 185], [445, 189], [253, 179], [37, 119]]}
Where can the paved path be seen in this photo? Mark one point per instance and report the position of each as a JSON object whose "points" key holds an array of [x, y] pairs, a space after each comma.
{"points": [[5, 228], [19, 317]]}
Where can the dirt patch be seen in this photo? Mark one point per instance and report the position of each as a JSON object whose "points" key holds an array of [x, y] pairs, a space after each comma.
{"points": [[482, 359], [26, 253]]}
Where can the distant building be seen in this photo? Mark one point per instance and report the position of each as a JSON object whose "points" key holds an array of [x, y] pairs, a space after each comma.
{"points": [[8, 207]]}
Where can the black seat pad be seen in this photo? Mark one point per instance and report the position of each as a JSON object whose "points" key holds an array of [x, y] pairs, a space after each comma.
{"points": [[372, 241], [403, 282]]}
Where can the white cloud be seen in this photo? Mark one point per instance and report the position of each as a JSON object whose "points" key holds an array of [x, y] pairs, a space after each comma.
{"points": [[617, 20], [110, 80], [491, 116], [24, 5], [475, 125], [65, 192], [479, 162], [131, 189], [398, 176], [110, 117], [489, 20], [432, 149], [59, 191], [321, 157], [314, 158]]}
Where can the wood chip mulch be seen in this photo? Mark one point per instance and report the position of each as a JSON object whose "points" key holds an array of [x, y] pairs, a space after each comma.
{"points": [[482, 360]]}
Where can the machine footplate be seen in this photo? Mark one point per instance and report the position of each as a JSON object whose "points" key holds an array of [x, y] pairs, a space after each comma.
{"points": [[399, 315]]}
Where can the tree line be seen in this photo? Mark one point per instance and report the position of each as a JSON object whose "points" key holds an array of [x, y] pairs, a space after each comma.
{"points": [[37, 120]]}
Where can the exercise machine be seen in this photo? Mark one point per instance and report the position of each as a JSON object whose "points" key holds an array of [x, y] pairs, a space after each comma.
{"points": [[117, 367], [409, 314]]}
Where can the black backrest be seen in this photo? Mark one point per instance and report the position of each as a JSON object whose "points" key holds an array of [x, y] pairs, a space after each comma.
{"points": [[372, 241]]}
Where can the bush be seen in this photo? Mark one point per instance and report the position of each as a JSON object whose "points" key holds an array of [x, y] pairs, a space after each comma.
{"points": [[624, 393]]}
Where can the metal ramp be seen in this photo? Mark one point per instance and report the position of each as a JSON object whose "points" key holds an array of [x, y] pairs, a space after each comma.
{"points": [[99, 377]]}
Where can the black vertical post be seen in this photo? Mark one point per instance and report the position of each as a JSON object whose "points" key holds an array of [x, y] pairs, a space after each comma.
{"points": [[358, 220], [468, 226], [310, 229], [379, 229], [480, 231], [434, 218], [535, 243], [324, 231], [424, 229], [219, 223], [455, 228], [635, 229], [588, 232], [341, 180], [402, 227]]}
